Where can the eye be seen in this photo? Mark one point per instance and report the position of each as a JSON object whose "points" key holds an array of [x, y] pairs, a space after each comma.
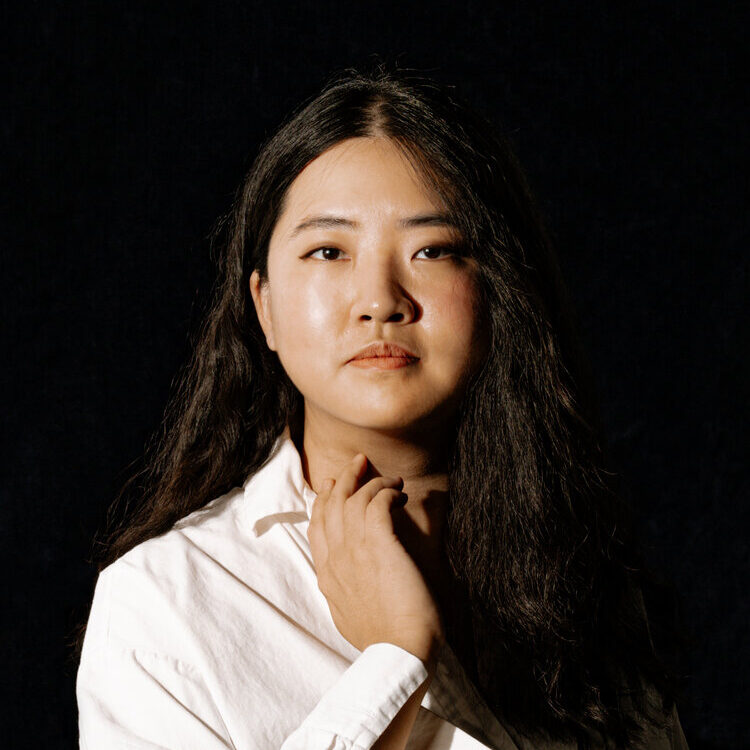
{"points": [[326, 252], [434, 251]]}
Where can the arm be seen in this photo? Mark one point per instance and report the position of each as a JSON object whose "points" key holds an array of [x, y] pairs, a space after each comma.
{"points": [[130, 697], [146, 701], [375, 592], [397, 733], [382, 688], [374, 705]]}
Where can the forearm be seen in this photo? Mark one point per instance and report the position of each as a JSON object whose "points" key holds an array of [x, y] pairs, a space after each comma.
{"points": [[397, 732]]}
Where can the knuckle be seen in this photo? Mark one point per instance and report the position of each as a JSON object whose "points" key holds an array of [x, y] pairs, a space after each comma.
{"points": [[379, 508], [386, 494], [360, 556], [378, 484]]}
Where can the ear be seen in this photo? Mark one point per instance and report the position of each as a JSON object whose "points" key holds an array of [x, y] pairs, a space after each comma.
{"points": [[261, 294]]}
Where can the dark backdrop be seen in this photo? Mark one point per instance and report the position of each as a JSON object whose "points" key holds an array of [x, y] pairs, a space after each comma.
{"points": [[128, 127]]}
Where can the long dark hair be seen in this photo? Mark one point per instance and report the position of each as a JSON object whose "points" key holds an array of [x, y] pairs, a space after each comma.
{"points": [[538, 536]]}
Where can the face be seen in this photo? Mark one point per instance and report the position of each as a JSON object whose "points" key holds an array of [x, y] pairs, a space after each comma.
{"points": [[378, 268]]}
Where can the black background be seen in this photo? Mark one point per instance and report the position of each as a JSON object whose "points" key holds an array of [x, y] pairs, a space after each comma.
{"points": [[128, 127]]}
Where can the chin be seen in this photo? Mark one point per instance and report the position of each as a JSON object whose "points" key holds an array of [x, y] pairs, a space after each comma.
{"points": [[402, 418]]}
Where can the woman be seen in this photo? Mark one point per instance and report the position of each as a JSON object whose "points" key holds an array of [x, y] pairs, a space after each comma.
{"points": [[380, 515]]}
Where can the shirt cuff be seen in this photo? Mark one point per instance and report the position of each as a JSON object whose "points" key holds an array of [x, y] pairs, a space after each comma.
{"points": [[367, 696]]}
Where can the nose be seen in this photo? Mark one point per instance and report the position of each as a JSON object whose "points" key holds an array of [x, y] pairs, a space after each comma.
{"points": [[381, 297]]}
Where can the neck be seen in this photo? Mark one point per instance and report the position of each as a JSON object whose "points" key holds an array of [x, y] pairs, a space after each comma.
{"points": [[419, 457]]}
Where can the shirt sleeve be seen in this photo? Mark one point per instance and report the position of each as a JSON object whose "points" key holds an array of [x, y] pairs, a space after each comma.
{"points": [[356, 710], [135, 698]]}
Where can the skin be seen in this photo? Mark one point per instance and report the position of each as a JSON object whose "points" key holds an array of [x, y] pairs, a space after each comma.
{"points": [[379, 562]]}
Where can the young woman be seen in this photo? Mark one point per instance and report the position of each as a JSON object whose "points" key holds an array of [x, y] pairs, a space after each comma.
{"points": [[380, 514]]}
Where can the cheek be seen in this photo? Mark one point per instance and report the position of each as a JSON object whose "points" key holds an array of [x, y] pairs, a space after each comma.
{"points": [[303, 318], [454, 317]]}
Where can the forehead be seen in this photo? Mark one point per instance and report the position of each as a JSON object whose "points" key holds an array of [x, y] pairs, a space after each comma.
{"points": [[361, 177]]}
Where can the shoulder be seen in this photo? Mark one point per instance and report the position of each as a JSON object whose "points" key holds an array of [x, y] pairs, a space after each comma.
{"points": [[157, 593], [144, 675], [211, 532]]}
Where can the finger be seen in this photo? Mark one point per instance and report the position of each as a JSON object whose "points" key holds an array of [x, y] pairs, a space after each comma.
{"points": [[356, 506], [320, 499], [378, 519], [346, 485], [348, 480], [316, 528]]}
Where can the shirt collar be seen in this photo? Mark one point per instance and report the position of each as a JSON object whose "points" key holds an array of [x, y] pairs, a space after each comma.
{"points": [[278, 487]]}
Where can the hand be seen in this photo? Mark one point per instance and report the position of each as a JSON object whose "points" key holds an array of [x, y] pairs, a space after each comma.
{"points": [[375, 591]]}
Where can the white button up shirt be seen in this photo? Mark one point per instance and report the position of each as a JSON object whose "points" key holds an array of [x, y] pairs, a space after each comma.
{"points": [[215, 635]]}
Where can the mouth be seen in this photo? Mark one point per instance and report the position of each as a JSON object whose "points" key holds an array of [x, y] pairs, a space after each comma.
{"points": [[384, 355], [383, 363]]}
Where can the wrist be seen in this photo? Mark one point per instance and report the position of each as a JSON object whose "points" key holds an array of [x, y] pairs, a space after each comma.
{"points": [[425, 646]]}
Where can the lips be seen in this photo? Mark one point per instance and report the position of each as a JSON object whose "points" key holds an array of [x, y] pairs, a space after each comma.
{"points": [[384, 349]]}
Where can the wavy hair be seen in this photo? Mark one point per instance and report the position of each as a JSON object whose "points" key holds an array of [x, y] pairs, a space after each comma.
{"points": [[554, 630]]}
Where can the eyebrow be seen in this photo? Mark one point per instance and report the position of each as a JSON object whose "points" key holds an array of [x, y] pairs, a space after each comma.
{"points": [[338, 222]]}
